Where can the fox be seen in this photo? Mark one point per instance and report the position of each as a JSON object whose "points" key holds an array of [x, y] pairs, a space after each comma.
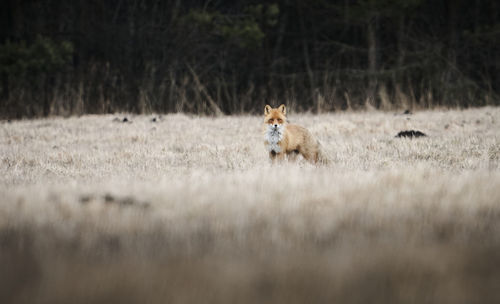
{"points": [[285, 139]]}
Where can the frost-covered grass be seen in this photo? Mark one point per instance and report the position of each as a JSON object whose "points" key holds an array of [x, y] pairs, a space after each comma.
{"points": [[189, 210]]}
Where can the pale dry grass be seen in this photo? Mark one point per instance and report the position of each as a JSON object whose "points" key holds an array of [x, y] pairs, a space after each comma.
{"points": [[188, 209]]}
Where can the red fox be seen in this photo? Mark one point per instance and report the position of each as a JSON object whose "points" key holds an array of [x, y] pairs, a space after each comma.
{"points": [[282, 138]]}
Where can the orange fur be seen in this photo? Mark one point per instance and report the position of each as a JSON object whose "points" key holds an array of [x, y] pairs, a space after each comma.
{"points": [[284, 139]]}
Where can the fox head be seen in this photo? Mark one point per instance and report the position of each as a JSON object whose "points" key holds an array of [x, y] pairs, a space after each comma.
{"points": [[275, 118]]}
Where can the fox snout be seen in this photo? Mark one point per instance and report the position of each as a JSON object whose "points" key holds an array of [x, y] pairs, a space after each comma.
{"points": [[274, 127]]}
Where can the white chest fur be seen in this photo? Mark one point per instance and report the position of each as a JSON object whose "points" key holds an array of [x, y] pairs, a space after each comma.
{"points": [[273, 136]]}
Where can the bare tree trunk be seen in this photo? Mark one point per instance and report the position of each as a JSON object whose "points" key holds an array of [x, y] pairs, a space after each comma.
{"points": [[16, 19], [450, 76], [401, 98], [305, 51], [372, 60], [133, 90], [202, 90], [281, 34], [5, 87], [452, 26], [175, 11], [279, 40]]}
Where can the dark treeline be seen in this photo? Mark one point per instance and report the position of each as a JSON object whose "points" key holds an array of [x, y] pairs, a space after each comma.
{"points": [[72, 57]]}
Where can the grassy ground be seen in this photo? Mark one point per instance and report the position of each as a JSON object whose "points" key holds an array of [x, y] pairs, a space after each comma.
{"points": [[189, 210]]}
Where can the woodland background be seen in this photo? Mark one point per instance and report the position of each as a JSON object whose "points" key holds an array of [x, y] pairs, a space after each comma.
{"points": [[225, 57]]}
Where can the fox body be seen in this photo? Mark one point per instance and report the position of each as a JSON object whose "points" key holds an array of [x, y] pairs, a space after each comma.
{"points": [[283, 139]]}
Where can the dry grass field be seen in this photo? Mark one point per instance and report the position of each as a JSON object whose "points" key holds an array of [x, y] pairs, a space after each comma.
{"points": [[188, 209]]}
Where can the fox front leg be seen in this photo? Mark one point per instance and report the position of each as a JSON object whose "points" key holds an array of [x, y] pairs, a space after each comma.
{"points": [[280, 156], [272, 156], [276, 157]]}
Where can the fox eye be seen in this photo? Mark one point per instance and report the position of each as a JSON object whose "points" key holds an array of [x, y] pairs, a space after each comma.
{"points": [[280, 120], [270, 121]]}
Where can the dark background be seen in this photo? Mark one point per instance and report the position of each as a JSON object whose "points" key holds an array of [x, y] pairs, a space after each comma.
{"points": [[211, 57]]}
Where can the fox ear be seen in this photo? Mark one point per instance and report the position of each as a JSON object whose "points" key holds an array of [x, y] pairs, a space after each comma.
{"points": [[267, 109], [282, 108]]}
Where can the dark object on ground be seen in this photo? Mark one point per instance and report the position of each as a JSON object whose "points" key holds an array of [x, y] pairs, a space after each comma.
{"points": [[153, 120], [407, 112], [410, 133], [124, 120]]}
